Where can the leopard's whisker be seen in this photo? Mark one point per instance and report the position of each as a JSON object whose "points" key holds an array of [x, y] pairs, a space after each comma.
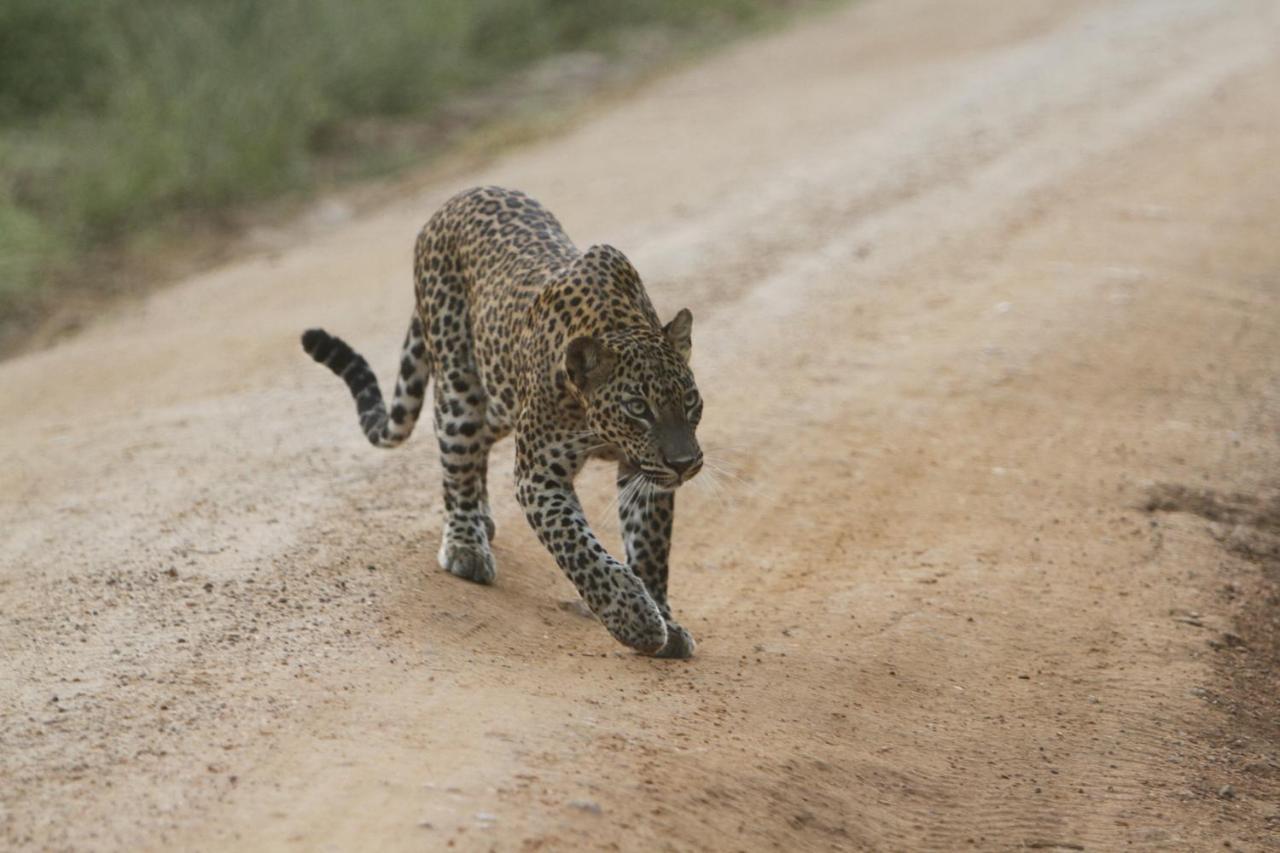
{"points": [[726, 473], [622, 501], [716, 470], [649, 490], [716, 449], [711, 484], [637, 491], [616, 501], [714, 457], [644, 488]]}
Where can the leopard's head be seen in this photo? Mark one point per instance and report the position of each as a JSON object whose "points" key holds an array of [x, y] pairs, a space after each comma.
{"points": [[640, 397]]}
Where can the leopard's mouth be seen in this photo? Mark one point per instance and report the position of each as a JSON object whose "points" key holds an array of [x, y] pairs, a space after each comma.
{"points": [[661, 479]]}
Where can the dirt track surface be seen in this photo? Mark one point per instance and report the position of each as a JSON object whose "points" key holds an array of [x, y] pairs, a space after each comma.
{"points": [[972, 286]]}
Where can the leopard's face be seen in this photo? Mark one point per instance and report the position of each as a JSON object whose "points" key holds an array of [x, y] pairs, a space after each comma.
{"points": [[641, 398]]}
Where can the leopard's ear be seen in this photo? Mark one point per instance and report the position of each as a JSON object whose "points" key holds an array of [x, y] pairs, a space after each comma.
{"points": [[588, 363], [680, 333]]}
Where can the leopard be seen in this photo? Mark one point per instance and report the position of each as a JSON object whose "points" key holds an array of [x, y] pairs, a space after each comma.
{"points": [[518, 331]]}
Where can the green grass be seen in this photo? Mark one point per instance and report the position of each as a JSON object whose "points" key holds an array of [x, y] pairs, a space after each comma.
{"points": [[117, 115]]}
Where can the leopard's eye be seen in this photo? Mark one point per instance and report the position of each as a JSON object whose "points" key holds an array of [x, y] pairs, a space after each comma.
{"points": [[637, 408], [691, 399]]}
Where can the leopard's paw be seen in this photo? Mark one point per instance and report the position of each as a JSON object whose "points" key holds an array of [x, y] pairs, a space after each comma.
{"points": [[629, 612], [642, 628], [679, 644], [469, 563]]}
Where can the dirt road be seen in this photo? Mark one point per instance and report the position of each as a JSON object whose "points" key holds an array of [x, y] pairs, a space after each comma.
{"points": [[974, 284]]}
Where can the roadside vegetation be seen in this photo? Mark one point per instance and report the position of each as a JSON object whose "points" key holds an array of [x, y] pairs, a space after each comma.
{"points": [[119, 116]]}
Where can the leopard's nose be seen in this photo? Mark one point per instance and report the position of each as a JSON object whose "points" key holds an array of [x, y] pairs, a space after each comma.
{"points": [[685, 465]]}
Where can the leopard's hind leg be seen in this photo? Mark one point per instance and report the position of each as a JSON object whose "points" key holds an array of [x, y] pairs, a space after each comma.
{"points": [[464, 437]]}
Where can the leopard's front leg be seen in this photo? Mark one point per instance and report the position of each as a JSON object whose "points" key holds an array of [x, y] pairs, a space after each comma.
{"points": [[544, 487], [646, 516]]}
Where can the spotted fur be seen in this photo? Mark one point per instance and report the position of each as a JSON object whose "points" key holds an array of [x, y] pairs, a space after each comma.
{"points": [[521, 332]]}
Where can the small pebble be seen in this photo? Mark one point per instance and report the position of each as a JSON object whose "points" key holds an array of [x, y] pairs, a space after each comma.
{"points": [[589, 806]]}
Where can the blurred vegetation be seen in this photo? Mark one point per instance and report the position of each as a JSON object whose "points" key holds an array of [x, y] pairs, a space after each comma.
{"points": [[115, 114]]}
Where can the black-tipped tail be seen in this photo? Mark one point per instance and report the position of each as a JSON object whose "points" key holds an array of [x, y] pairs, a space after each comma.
{"points": [[338, 356], [335, 354]]}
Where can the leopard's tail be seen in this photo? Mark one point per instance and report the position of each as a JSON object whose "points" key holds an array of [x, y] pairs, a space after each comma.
{"points": [[383, 429]]}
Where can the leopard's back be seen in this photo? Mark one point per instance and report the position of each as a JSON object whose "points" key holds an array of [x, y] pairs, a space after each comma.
{"points": [[479, 264]]}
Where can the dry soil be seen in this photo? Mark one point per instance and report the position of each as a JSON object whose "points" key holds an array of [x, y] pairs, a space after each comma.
{"points": [[988, 328]]}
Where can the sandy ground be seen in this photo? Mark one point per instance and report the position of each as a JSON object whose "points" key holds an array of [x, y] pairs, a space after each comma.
{"points": [[987, 324]]}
